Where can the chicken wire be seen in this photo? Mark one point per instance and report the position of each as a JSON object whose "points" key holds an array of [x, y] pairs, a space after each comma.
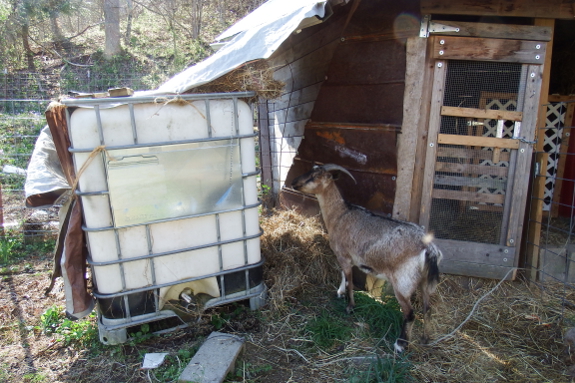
{"points": [[470, 184]]}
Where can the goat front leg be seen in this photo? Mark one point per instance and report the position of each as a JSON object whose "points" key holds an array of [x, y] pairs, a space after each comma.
{"points": [[351, 303], [342, 286]]}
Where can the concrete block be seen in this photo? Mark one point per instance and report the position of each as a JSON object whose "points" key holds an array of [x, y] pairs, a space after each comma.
{"points": [[214, 360]]}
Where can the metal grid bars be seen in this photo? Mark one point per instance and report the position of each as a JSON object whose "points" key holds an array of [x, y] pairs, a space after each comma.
{"points": [[21, 120], [152, 253]]}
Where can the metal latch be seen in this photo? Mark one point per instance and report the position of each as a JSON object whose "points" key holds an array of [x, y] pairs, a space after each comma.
{"points": [[428, 26]]}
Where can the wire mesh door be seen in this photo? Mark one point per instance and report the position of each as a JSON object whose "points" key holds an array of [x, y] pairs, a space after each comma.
{"points": [[477, 162]]}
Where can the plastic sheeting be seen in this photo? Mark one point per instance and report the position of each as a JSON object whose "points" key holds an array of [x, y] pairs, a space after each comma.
{"points": [[257, 36], [45, 180]]}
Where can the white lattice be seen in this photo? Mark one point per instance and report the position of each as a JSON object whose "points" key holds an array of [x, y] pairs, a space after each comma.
{"points": [[552, 145]]}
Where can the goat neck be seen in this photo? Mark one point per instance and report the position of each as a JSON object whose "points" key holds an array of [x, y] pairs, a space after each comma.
{"points": [[332, 205]]}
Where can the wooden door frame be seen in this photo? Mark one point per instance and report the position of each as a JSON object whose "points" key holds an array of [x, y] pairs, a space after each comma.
{"points": [[504, 257]]}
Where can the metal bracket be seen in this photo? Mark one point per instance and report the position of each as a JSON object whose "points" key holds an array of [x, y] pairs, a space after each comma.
{"points": [[428, 27]]}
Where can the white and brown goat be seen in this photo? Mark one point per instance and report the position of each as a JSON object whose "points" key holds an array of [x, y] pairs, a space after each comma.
{"points": [[399, 252]]}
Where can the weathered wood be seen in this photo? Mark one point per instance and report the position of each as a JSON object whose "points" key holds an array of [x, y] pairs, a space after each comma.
{"points": [[479, 154], [499, 171], [535, 218], [422, 126], [430, 156], [523, 167], [475, 182], [552, 9], [471, 48], [360, 103], [496, 31], [459, 195], [490, 142], [493, 114], [480, 260], [407, 140], [265, 144], [544, 92]]}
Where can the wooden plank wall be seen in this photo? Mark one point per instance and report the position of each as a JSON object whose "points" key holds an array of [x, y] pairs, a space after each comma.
{"points": [[301, 63], [358, 113], [551, 9]]}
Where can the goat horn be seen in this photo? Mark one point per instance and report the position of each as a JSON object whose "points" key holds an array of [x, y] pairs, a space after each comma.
{"points": [[331, 167]]}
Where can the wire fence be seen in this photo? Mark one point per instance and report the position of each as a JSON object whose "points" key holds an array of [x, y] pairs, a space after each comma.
{"points": [[23, 101], [551, 243]]}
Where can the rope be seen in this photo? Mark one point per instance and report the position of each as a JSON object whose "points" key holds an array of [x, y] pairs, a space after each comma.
{"points": [[93, 154]]}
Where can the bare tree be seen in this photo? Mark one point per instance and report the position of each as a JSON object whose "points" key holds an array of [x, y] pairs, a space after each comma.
{"points": [[112, 28]]}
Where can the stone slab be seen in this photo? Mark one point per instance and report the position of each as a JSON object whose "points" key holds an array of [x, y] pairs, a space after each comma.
{"points": [[214, 360]]}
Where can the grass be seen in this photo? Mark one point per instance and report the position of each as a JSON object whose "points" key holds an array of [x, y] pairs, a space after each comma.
{"points": [[81, 333]]}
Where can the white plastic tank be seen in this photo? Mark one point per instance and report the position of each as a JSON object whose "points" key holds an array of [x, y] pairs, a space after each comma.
{"points": [[168, 191]]}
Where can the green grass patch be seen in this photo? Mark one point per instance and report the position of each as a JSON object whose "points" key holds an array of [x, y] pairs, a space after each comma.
{"points": [[382, 318], [82, 333], [328, 330], [384, 370]]}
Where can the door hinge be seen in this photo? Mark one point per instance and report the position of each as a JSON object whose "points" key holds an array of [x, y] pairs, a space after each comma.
{"points": [[428, 26]]}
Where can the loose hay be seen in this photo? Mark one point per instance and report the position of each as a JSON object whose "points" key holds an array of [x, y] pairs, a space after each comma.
{"points": [[297, 255], [515, 334], [256, 76]]}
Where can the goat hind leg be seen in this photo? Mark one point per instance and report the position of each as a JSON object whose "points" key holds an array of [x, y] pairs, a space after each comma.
{"points": [[427, 324], [408, 318]]}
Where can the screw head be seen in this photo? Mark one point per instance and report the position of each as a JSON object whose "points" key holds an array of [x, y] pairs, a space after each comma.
{"points": [[441, 42], [439, 65], [537, 57], [538, 46], [441, 53], [532, 75], [431, 144]]}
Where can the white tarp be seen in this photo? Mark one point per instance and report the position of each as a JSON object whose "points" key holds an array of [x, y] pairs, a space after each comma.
{"points": [[256, 36]]}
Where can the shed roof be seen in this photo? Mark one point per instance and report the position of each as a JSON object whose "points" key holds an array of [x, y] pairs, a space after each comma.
{"points": [[256, 36]]}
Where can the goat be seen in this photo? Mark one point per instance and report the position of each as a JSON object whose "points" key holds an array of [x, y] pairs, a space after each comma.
{"points": [[400, 252]]}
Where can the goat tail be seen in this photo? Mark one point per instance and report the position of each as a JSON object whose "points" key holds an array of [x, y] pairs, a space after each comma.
{"points": [[431, 269]]}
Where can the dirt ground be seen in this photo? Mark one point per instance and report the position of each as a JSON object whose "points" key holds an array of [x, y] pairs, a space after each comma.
{"points": [[509, 332]]}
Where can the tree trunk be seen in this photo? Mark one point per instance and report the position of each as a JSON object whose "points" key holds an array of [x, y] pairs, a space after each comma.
{"points": [[27, 50], [112, 30], [128, 37]]}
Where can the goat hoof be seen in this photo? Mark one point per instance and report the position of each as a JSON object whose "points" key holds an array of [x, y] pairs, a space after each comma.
{"points": [[424, 339], [400, 346], [349, 309]]}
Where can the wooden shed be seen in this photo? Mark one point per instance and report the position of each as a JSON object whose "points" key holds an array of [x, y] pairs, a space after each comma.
{"points": [[433, 106]]}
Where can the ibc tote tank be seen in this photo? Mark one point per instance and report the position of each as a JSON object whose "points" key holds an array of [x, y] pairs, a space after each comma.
{"points": [[168, 189]]}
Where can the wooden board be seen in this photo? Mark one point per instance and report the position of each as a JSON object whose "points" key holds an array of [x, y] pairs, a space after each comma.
{"points": [[430, 155], [469, 153], [490, 142], [460, 195], [471, 48], [481, 260], [496, 31], [407, 145], [493, 114], [551, 9], [536, 215], [498, 171]]}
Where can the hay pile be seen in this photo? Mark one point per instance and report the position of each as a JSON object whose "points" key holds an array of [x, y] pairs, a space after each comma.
{"points": [[514, 335], [256, 76], [297, 256]]}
